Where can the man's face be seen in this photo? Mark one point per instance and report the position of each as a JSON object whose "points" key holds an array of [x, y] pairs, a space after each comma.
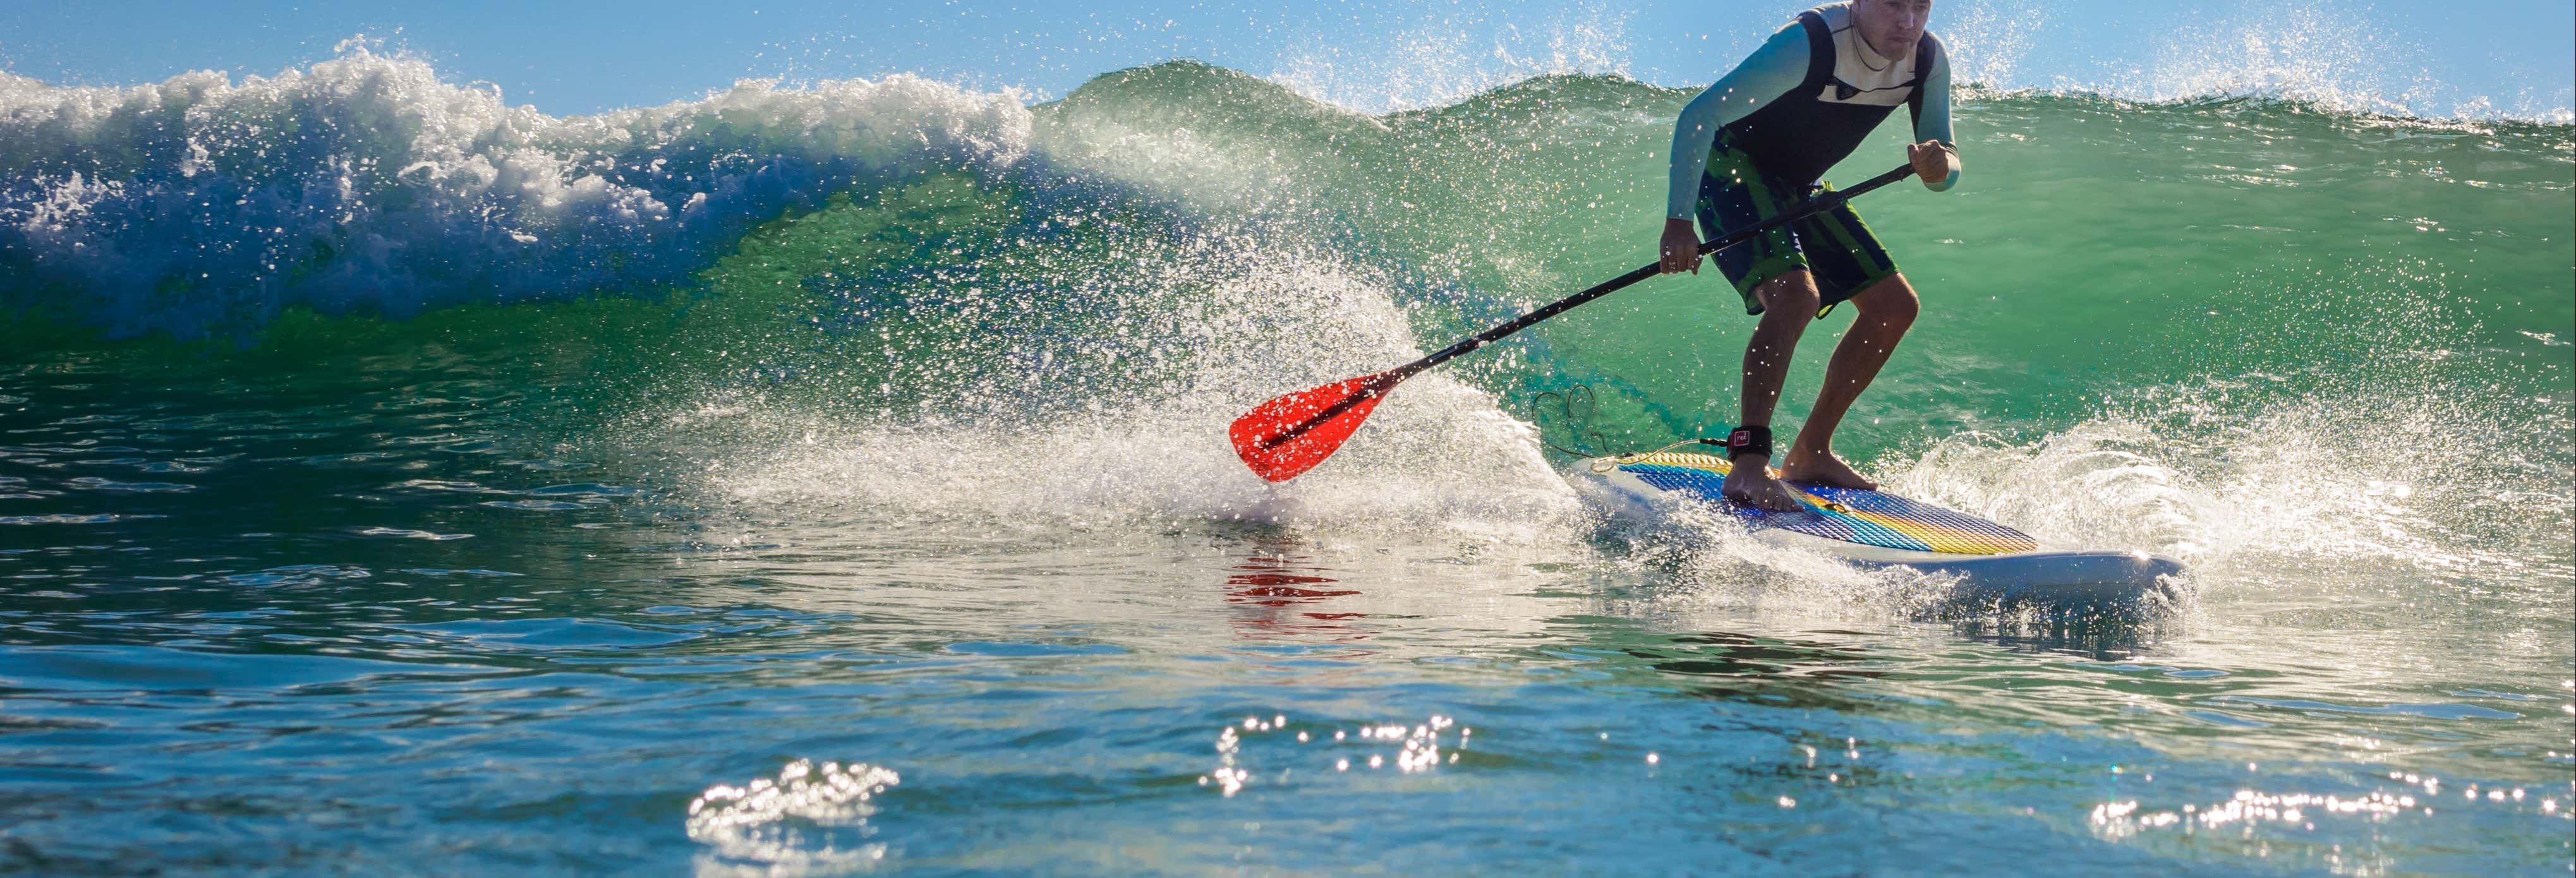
{"points": [[1892, 26]]}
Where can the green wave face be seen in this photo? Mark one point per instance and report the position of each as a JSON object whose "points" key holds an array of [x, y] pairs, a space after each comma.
{"points": [[1185, 238], [2095, 249]]}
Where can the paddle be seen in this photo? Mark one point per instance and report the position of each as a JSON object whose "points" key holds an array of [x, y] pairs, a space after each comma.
{"points": [[1285, 437]]}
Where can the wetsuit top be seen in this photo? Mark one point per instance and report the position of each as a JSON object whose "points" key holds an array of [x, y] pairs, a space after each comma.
{"points": [[1806, 99]]}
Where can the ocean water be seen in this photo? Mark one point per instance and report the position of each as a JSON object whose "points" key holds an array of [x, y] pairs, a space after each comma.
{"points": [[832, 480]]}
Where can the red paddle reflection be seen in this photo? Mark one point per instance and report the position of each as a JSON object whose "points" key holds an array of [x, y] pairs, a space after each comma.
{"points": [[1263, 577], [1276, 582]]}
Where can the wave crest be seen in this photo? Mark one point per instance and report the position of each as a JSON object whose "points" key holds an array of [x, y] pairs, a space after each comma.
{"points": [[366, 184]]}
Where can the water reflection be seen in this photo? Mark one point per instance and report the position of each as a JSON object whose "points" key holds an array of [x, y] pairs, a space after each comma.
{"points": [[1277, 593], [1742, 666], [807, 821], [2100, 637], [1281, 582]]}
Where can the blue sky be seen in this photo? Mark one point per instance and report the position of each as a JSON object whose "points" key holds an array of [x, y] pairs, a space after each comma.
{"points": [[2517, 56]]}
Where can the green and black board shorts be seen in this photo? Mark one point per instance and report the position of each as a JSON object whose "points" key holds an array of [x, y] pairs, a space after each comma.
{"points": [[1835, 246]]}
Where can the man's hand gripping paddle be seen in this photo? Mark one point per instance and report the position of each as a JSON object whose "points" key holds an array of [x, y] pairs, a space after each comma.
{"points": [[1285, 437]]}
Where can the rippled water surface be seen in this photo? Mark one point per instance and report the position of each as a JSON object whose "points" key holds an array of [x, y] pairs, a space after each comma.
{"points": [[408, 639]]}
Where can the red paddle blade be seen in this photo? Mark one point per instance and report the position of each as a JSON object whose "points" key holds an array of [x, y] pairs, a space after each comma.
{"points": [[1341, 406]]}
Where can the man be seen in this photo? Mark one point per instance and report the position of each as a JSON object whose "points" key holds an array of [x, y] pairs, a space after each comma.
{"points": [[1755, 144]]}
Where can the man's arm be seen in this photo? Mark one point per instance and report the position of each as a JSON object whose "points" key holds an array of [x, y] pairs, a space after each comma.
{"points": [[1931, 106], [1771, 71]]}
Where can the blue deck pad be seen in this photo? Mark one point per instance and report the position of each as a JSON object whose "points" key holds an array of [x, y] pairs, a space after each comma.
{"points": [[1912, 510], [1808, 519]]}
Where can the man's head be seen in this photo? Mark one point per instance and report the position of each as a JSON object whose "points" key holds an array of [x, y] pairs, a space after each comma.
{"points": [[1891, 26]]}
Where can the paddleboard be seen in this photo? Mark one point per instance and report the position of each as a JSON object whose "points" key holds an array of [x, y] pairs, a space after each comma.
{"points": [[1875, 528]]}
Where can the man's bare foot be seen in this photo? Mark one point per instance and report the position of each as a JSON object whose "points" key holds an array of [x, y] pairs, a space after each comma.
{"points": [[1751, 484], [1824, 469]]}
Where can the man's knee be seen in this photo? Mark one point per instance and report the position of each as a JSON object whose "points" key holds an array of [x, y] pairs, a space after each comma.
{"points": [[1791, 293], [1891, 300]]}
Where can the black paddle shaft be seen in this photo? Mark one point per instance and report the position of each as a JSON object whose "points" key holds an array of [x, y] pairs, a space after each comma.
{"points": [[1388, 379], [1803, 210]]}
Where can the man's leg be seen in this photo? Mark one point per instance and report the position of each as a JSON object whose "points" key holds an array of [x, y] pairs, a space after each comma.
{"points": [[1788, 305], [1887, 309]]}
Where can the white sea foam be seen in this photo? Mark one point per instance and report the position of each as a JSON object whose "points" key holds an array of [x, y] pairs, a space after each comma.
{"points": [[1719, 564], [367, 184], [2383, 479], [1438, 457]]}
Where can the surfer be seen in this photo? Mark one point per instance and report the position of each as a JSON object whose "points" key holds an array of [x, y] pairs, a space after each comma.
{"points": [[1757, 142]]}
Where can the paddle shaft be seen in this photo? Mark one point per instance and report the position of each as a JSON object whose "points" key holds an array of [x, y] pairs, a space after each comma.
{"points": [[1390, 378]]}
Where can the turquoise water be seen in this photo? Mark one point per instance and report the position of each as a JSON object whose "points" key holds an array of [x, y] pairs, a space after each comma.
{"points": [[833, 480]]}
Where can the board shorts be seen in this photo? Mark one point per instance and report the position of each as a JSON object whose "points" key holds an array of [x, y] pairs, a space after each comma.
{"points": [[1835, 247]]}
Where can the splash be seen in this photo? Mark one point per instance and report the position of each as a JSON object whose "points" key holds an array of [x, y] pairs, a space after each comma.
{"points": [[1715, 562], [1194, 333], [1990, 41], [2329, 56], [2253, 490], [2299, 54], [1446, 59]]}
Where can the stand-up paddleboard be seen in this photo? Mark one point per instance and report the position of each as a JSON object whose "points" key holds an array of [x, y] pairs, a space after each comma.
{"points": [[1874, 528]]}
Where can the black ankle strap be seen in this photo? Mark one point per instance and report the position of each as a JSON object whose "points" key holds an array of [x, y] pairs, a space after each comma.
{"points": [[1745, 440]]}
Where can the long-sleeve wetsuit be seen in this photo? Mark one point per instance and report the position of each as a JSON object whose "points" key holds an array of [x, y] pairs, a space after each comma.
{"points": [[1775, 70]]}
